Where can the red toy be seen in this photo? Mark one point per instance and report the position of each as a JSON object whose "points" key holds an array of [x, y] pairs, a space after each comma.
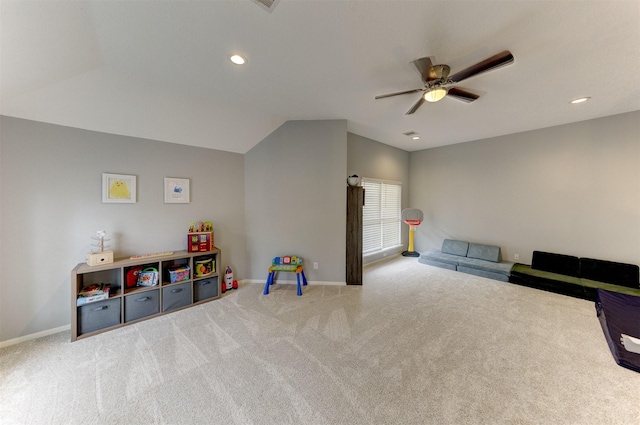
{"points": [[229, 282]]}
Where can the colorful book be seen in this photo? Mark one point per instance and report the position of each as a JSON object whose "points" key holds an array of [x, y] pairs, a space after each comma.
{"points": [[93, 293], [95, 289], [82, 300]]}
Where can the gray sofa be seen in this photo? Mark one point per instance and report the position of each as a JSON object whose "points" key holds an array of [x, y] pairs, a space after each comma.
{"points": [[478, 259]]}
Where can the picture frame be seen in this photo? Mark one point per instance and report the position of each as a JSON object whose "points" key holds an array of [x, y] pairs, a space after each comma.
{"points": [[119, 188], [176, 190]]}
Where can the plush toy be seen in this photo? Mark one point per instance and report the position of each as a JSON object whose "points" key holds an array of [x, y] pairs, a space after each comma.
{"points": [[229, 282]]}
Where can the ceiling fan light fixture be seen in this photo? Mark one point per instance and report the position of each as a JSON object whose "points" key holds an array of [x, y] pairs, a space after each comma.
{"points": [[435, 94]]}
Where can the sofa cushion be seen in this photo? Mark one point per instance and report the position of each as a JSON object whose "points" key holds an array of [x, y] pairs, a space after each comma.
{"points": [[484, 252], [459, 248], [610, 272], [436, 255], [503, 267], [524, 270], [484, 273], [522, 274], [556, 263], [590, 287], [440, 264]]}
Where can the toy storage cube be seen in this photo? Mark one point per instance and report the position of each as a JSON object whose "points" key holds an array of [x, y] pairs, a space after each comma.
{"points": [[98, 315], [176, 296], [205, 289], [141, 304]]}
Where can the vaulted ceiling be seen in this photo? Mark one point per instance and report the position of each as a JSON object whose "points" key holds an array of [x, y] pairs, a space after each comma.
{"points": [[160, 69]]}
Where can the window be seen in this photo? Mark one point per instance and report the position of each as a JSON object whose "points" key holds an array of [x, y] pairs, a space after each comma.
{"points": [[381, 221]]}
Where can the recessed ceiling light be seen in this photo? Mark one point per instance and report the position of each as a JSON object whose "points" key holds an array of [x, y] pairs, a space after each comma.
{"points": [[580, 100], [238, 59], [416, 137]]}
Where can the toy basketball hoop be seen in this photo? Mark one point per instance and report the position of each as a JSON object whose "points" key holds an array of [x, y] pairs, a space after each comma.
{"points": [[413, 217]]}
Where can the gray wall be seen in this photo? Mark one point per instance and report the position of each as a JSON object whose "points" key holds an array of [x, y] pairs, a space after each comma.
{"points": [[572, 189], [295, 188], [50, 204], [368, 158]]}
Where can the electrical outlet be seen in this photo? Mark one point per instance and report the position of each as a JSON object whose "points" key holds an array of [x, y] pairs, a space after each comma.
{"points": [[315, 265], [516, 257]]}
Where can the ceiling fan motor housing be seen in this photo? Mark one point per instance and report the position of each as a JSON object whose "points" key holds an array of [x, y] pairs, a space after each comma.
{"points": [[441, 71], [438, 77]]}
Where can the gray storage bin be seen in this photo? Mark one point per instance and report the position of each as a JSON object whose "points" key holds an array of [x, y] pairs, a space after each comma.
{"points": [[176, 296], [98, 315], [204, 289], [141, 304]]}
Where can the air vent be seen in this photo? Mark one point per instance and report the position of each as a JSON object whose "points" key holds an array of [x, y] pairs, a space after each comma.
{"points": [[267, 5]]}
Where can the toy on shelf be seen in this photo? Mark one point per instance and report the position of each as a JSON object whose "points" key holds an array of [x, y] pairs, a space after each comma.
{"points": [[100, 237], [179, 273], [155, 254], [200, 238], [101, 256], [148, 277], [204, 267], [201, 226], [229, 282], [132, 274], [92, 293]]}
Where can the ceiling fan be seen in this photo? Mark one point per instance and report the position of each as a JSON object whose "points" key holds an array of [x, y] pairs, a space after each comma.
{"points": [[437, 81]]}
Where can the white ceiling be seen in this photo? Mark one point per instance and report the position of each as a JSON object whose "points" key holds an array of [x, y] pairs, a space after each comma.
{"points": [[160, 69]]}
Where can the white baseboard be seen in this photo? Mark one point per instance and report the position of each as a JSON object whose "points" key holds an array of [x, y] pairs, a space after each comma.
{"points": [[36, 335]]}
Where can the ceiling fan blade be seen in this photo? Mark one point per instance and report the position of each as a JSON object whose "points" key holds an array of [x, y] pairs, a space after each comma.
{"points": [[425, 67], [398, 93], [494, 62], [463, 95], [415, 106]]}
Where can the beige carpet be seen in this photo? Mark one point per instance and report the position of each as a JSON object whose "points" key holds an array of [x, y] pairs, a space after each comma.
{"points": [[414, 345]]}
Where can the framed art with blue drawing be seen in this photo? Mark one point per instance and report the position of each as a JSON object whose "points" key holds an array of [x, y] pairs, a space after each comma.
{"points": [[176, 191]]}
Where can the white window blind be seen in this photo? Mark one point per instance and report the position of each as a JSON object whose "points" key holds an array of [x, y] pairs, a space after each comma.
{"points": [[381, 221]]}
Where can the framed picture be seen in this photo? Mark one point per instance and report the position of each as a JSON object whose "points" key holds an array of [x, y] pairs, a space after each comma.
{"points": [[118, 188], [176, 191]]}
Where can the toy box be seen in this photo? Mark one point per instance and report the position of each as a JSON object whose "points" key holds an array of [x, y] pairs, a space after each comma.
{"points": [[179, 273], [200, 241]]}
